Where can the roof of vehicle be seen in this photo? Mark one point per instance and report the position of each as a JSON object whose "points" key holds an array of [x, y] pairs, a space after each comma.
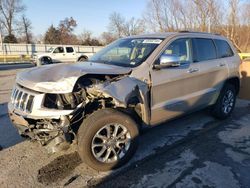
{"points": [[170, 34]]}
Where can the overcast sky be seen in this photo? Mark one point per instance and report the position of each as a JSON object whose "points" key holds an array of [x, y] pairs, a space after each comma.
{"points": [[91, 15]]}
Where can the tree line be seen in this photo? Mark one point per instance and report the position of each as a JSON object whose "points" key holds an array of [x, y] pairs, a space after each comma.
{"points": [[230, 18]]}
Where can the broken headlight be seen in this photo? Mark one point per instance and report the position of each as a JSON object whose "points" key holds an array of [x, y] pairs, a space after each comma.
{"points": [[66, 101]]}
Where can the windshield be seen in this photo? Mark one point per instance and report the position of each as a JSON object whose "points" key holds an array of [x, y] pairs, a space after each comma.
{"points": [[128, 52], [50, 49]]}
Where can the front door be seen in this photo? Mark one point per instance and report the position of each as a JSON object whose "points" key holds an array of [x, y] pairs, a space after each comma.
{"points": [[175, 90], [58, 54]]}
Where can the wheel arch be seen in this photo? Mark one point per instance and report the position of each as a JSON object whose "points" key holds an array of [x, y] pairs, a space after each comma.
{"points": [[235, 81], [45, 56], [83, 56]]}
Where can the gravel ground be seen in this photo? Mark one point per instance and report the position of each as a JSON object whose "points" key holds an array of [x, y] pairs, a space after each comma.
{"points": [[219, 156], [193, 151]]}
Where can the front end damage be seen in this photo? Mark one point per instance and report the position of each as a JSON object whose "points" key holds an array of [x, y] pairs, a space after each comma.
{"points": [[54, 119], [55, 134]]}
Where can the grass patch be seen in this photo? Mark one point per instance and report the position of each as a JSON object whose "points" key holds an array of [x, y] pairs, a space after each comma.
{"points": [[14, 58]]}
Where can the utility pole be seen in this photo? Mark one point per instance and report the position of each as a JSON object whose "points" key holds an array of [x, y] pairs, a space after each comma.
{"points": [[1, 36], [1, 39]]}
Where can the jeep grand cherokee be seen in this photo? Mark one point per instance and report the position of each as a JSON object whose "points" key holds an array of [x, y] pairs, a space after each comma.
{"points": [[139, 80]]}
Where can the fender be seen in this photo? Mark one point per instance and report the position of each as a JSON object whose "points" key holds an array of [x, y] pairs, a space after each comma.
{"points": [[123, 90]]}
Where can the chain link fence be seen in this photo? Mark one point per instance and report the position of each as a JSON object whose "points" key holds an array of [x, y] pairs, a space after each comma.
{"points": [[30, 49]]}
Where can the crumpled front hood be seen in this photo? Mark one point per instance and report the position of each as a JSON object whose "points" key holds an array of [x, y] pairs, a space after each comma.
{"points": [[61, 78]]}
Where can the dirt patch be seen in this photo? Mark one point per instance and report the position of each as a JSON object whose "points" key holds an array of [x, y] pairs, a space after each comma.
{"points": [[58, 169]]}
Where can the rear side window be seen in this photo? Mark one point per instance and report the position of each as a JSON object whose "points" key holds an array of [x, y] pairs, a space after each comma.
{"points": [[223, 48], [203, 49], [69, 50]]}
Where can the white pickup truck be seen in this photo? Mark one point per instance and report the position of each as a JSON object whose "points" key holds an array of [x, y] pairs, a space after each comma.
{"points": [[59, 54]]}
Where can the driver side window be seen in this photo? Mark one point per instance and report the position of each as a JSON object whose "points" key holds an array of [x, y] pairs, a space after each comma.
{"points": [[179, 48], [59, 50]]}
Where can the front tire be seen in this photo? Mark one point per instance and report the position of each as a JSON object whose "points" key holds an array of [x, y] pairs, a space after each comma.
{"points": [[225, 103], [107, 139], [44, 61]]}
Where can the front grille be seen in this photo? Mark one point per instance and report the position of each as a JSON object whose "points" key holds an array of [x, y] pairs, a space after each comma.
{"points": [[22, 100]]}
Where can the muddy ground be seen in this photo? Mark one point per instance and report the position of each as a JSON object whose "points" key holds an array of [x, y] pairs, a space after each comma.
{"points": [[193, 151]]}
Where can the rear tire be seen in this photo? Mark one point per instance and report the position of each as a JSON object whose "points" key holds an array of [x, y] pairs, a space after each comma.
{"points": [[225, 103], [107, 139]]}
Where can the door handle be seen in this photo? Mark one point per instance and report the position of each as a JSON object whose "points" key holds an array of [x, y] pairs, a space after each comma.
{"points": [[222, 64], [193, 70]]}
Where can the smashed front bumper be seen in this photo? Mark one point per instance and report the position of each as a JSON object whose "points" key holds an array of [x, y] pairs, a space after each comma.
{"points": [[51, 133]]}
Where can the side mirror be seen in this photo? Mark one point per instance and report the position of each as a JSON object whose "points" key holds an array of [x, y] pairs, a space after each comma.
{"points": [[168, 61]]}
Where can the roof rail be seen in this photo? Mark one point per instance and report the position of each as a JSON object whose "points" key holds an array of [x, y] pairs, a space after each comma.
{"points": [[186, 31]]}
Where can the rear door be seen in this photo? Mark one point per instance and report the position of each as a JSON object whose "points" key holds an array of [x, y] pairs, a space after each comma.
{"points": [[213, 69], [70, 54]]}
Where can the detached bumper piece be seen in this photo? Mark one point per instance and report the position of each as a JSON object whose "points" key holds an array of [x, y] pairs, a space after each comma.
{"points": [[20, 123]]}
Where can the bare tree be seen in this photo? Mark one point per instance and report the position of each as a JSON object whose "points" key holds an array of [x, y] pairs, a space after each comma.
{"points": [[116, 24], [172, 15], [26, 29], [233, 23], [68, 24], [85, 35], [120, 27], [63, 34], [107, 37], [134, 27], [245, 14], [52, 36], [66, 28], [86, 38], [228, 18], [9, 10], [242, 27], [154, 15], [167, 15]]}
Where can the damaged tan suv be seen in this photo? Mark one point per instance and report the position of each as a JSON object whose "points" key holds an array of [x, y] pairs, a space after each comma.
{"points": [[140, 80]]}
